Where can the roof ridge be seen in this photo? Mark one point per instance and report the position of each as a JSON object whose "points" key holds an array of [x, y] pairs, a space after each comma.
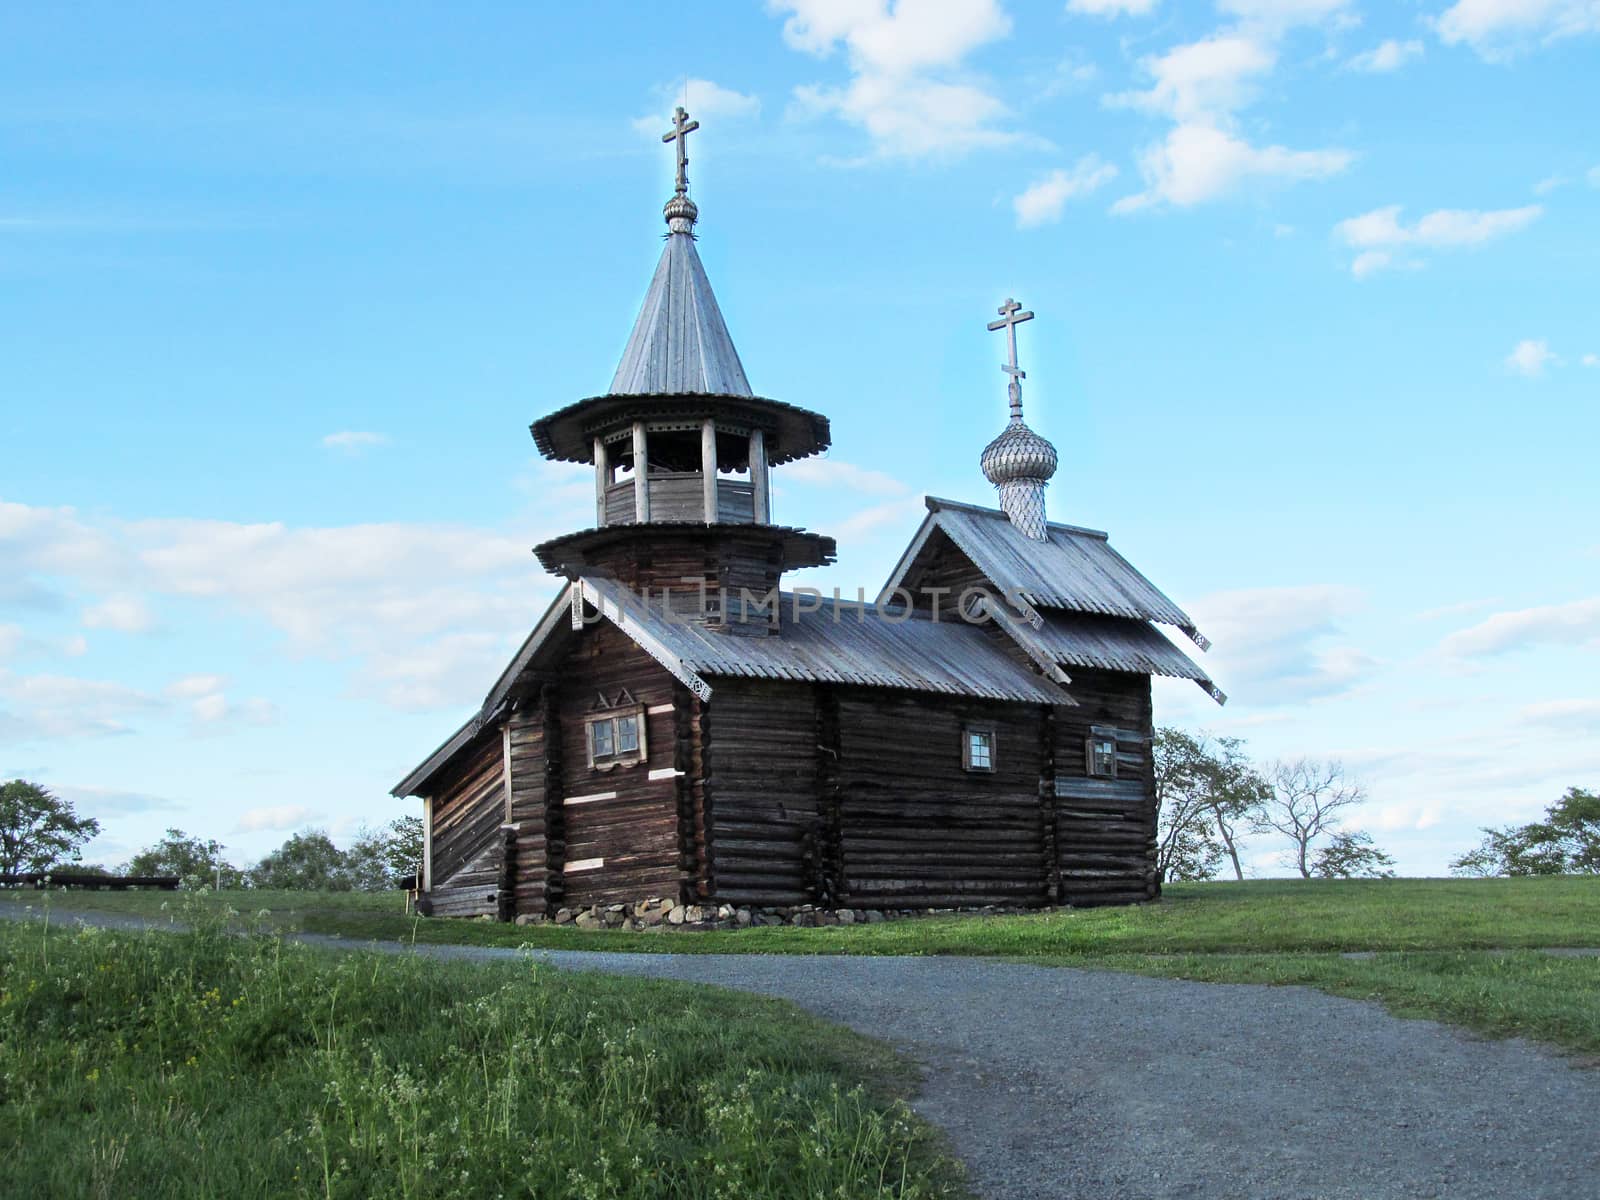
{"points": [[936, 503]]}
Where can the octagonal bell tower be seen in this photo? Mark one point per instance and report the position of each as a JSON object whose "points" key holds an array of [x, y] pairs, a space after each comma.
{"points": [[682, 449]]}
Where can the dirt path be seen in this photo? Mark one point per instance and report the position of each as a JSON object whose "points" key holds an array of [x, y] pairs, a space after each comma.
{"points": [[1056, 1082]]}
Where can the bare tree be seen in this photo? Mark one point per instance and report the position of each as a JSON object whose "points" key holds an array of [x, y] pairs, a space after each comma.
{"points": [[1303, 802]]}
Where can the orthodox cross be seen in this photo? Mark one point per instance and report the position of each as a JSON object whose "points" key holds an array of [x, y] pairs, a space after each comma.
{"points": [[681, 128], [1010, 317]]}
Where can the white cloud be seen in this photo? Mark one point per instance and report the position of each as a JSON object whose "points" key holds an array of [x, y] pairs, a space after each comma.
{"points": [[1389, 55], [1379, 232], [211, 708], [1201, 86], [836, 473], [1111, 8], [354, 441], [217, 711], [1044, 200], [101, 801], [1369, 262], [276, 819], [361, 593], [1198, 163], [123, 613], [1281, 15], [1497, 29], [1591, 360], [60, 706], [1530, 357], [190, 686], [703, 99], [1549, 184], [1575, 623], [906, 509], [902, 55], [1283, 645], [1563, 714], [1202, 80]]}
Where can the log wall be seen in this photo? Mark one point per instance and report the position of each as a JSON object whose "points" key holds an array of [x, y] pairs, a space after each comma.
{"points": [[535, 809], [1105, 829], [620, 827], [761, 780], [468, 809], [915, 827]]}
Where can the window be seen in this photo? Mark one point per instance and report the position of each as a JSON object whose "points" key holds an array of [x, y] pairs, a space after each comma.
{"points": [[1101, 756], [977, 749], [616, 737]]}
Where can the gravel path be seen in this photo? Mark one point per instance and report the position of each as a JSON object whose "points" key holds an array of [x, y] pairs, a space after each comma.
{"points": [[1056, 1082]]}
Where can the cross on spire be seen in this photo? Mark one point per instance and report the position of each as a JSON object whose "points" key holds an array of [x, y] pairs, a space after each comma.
{"points": [[681, 128], [1011, 315]]}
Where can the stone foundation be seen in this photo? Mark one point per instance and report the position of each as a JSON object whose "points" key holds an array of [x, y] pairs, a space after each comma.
{"points": [[669, 915]]}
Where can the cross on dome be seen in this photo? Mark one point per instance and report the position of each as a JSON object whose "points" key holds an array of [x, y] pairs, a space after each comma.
{"points": [[1011, 315], [682, 127]]}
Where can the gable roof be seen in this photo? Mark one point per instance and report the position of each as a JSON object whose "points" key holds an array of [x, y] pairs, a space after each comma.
{"points": [[680, 342], [835, 643], [1073, 568], [1056, 639]]}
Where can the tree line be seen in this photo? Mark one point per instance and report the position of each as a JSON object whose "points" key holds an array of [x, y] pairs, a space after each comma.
{"points": [[1210, 797], [40, 832]]}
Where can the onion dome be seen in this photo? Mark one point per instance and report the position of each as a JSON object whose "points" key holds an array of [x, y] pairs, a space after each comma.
{"points": [[1018, 454], [1019, 462]]}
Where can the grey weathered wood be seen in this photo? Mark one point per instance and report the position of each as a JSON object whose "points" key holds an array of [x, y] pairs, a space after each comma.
{"points": [[641, 473]]}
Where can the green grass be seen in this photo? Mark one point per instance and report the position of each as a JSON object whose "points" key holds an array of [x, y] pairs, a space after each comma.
{"points": [[1518, 993], [201, 1064], [1451, 949], [1262, 916]]}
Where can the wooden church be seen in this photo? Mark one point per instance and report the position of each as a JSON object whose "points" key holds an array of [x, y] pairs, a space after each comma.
{"points": [[679, 725]]}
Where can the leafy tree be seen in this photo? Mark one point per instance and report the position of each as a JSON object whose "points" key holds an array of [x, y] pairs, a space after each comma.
{"points": [[1303, 802], [1206, 789], [1185, 846], [186, 857], [308, 861], [1566, 842], [1351, 855], [391, 857], [404, 851], [38, 829]]}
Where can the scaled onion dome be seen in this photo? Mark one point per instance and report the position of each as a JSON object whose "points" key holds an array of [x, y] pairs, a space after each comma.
{"points": [[1018, 454]]}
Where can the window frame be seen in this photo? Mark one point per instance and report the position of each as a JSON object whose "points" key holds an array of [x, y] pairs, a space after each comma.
{"points": [[1091, 756], [968, 732], [612, 718]]}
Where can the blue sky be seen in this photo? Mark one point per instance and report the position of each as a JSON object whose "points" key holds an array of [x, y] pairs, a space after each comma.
{"points": [[282, 288]]}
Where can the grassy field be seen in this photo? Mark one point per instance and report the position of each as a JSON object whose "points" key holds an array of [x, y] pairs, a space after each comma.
{"points": [[201, 1064], [1455, 950], [1262, 916]]}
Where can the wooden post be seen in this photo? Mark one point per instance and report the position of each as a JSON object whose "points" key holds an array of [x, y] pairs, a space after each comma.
{"points": [[758, 477], [427, 843], [830, 888], [641, 475], [555, 836], [1047, 805], [708, 469], [704, 884], [602, 480], [506, 891]]}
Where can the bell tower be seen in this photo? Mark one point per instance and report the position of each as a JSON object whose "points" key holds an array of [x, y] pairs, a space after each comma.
{"points": [[682, 449]]}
